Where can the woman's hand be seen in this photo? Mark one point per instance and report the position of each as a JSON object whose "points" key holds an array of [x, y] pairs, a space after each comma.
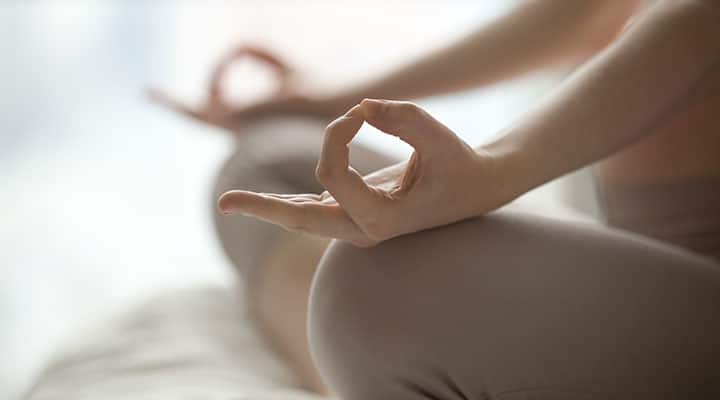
{"points": [[444, 181], [217, 111]]}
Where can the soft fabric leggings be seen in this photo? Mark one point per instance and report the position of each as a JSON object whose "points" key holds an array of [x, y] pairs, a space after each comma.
{"points": [[506, 306], [517, 306]]}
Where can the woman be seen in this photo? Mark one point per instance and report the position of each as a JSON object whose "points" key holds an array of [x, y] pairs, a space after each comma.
{"points": [[505, 305]]}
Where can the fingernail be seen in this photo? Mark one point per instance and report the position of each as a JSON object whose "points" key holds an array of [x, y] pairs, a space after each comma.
{"points": [[372, 107], [224, 204], [226, 211], [353, 111], [234, 211]]}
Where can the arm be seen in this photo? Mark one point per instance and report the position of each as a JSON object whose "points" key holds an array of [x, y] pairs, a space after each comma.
{"points": [[535, 35], [615, 99], [608, 104]]}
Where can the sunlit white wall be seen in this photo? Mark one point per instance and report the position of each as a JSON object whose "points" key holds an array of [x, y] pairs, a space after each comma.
{"points": [[105, 198]]}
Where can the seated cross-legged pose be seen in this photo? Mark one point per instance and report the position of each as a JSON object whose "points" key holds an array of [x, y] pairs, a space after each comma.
{"points": [[434, 289]]}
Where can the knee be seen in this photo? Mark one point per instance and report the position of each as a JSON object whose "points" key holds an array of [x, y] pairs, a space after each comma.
{"points": [[377, 315], [373, 311], [346, 293], [380, 311], [353, 319], [365, 297]]}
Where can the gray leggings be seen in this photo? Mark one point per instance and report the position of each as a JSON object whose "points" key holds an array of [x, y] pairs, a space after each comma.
{"points": [[506, 306]]}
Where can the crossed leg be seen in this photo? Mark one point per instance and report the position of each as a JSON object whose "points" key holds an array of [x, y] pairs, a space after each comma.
{"points": [[516, 306], [275, 266]]}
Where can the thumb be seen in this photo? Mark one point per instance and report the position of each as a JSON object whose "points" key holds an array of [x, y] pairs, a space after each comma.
{"points": [[407, 121]]}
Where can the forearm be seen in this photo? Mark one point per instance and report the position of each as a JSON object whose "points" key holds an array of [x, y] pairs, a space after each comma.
{"points": [[616, 98], [535, 35]]}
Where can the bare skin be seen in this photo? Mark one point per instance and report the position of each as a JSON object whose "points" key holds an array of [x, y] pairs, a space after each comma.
{"points": [[682, 148], [641, 108]]}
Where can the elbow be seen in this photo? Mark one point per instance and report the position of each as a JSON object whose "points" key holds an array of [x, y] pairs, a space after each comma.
{"points": [[697, 23], [707, 13], [605, 21]]}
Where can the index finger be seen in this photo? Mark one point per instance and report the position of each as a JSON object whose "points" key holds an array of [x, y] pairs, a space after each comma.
{"points": [[218, 74], [335, 173]]}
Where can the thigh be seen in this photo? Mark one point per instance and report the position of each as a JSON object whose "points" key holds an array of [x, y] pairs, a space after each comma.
{"points": [[515, 306]]}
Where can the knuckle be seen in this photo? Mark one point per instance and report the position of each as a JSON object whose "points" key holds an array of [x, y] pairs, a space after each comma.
{"points": [[333, 135], [382, 110], [409, 110], [332, 129], [407, 115]]}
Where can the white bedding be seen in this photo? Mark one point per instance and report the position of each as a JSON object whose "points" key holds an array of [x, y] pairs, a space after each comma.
{"points": [[190, 344]]}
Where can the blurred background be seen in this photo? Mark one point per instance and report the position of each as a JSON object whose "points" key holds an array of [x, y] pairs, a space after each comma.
{"points": [[104, 196]]}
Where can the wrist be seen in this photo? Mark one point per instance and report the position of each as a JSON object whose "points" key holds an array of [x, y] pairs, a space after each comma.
{"points": [[510, 171]]}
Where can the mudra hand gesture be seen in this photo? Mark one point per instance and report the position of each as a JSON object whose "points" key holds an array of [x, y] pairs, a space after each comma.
{"points": [[437, 186], [217, 110]]}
